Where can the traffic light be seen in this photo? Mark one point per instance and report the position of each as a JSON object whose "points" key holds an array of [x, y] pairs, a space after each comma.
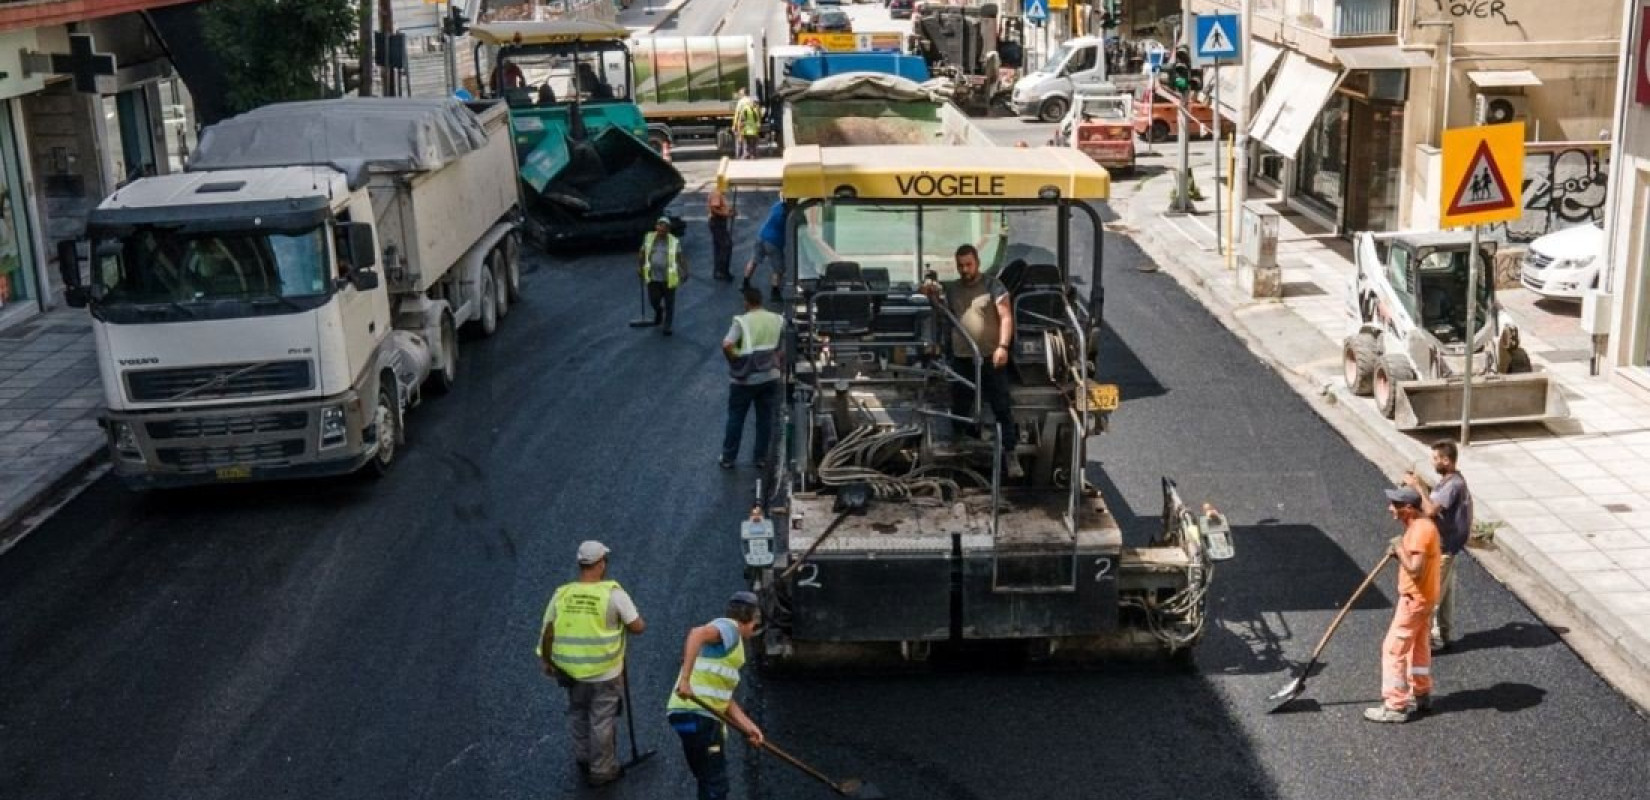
{"points": [[1180, 75], [456, 24], [1112, 16]]}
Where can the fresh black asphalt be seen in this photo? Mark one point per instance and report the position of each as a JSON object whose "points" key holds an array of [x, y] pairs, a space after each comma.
{"points": [[349, 639]]}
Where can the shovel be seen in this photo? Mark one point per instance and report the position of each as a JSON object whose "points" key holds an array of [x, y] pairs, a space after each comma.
{"points": [[1293, 689], [644, 321], [847, 787], [630, 720]]}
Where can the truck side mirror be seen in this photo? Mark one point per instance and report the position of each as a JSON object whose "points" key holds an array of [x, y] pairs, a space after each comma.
{"points": [[362, 251], [68, 265]]}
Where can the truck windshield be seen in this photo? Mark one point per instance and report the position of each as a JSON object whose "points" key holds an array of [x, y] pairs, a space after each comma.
{"points": [[211, 275], [547, 76], [1055, 59], [907, 241]]}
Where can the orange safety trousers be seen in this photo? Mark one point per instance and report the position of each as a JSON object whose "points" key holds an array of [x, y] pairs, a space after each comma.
{"points": [[1406, 655]]}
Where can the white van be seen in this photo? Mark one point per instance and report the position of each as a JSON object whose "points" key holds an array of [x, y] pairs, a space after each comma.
{"points": [[1077, 65]]}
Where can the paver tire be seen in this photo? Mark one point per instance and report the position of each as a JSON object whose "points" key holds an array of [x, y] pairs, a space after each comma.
{"points": [[1359, 355], [1391, 371]]}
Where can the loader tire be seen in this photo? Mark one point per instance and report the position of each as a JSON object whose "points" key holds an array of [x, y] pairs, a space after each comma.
{"points": [[1392, 371], [1518, 361], [1359, 355]]}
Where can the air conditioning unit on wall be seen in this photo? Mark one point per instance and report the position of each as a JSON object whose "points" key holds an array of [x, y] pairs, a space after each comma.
{"points": [[1496, 109]]}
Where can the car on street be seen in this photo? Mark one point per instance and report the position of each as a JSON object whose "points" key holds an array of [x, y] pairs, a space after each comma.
{"points": [[901, 9], [833, 20], [1564, 264]]}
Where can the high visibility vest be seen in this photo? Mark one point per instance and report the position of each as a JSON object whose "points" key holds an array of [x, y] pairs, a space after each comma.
{"points": [[584, 645], [758, 349], [746, 117], [713, 681], [673, 276]]}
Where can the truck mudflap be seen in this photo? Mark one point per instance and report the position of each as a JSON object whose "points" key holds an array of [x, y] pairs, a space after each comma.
{"points": [[1496, 400]]}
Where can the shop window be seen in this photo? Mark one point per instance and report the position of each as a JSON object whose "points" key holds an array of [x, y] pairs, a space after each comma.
{"points": [[131, 143], [1321, 166], [16, 262]]}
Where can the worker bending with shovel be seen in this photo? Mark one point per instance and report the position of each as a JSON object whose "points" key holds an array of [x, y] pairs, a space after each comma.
{"points": [[1406, 653], [711, 658], [582, 646]]}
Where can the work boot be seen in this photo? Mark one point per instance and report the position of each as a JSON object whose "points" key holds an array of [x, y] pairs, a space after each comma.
{"points": [[774, 296], [722, 275], [1015, 471], [594, 781], [724, 462], [667, 329], [1385, 714], [1423, 704], [746, 284]]}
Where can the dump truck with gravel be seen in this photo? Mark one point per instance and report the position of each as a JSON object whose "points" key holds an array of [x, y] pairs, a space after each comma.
{"points": [[870, 108], [897, 522]]}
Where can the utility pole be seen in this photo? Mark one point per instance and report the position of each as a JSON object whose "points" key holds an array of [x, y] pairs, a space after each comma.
{"points": [[1240, 142], [365, 18], [386, 23], [1490, 350]]}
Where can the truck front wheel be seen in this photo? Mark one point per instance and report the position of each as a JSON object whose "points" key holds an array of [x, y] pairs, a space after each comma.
{"points": [[1052, 109], [386, 420], [1159, 131], [447, 377]]}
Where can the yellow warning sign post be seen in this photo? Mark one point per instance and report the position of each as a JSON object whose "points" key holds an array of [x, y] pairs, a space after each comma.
{"points": [[1483, 183]]}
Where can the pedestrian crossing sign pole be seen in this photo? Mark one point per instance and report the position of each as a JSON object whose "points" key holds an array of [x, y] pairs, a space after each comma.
{"points": [[1036, 11], [1483, 184]]}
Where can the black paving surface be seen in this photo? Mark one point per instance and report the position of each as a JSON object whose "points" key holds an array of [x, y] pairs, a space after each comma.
{"points": [[346, 639]]}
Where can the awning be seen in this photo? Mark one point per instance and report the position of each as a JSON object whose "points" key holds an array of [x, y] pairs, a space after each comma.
{"points": [[1382, 57], [1262, 56], [1503, 78], [1291, 108]]}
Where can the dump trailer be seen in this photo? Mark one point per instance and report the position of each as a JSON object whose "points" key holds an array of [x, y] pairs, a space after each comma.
{"points": [[1408, 347], [273, 311], [866, 108], [900, 521], [586, 165], [687, 86]]}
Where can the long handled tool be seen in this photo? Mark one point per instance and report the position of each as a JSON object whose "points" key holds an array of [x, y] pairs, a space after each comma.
{"points": [[847, 787], [643, 321], [1293, 689], [636, 757]]}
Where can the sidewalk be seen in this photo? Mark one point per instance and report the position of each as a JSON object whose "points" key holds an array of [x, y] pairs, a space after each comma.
{"points": [[1572, 503], [49, 400]]}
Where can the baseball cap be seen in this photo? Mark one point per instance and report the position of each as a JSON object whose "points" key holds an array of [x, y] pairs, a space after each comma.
{"points": [[662, 221], [1404, 497], [744, 598], [592, 551]]}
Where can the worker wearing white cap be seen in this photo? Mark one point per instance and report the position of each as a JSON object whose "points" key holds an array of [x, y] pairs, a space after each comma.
{"points": [[664, 266], [582, 646]]}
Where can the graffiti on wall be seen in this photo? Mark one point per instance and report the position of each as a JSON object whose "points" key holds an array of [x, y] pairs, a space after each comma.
{"points": [[1477, 9], [1562, 188]]}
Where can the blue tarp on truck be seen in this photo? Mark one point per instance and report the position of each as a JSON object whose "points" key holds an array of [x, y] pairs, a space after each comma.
{"points": [[812, 68]]}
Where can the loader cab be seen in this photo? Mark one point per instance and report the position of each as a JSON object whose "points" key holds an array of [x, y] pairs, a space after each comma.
{"points": [[1428, 276]]}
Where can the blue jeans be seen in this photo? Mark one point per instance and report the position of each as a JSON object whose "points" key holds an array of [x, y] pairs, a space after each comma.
{"points": [[704, 746], [765, 396]]}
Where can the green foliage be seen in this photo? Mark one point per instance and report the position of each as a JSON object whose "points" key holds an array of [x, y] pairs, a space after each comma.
{"points": [[274, 50]]}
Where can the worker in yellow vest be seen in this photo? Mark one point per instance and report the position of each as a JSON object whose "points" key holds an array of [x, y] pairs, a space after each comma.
{"points": [[582, 646], [664, 267], [711, 659], [752, 350], [747, 125]]}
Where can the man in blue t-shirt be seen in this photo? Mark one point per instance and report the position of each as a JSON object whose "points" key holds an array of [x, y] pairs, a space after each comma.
{"points": [[711, 658], [770, 249], [1450, 505]]}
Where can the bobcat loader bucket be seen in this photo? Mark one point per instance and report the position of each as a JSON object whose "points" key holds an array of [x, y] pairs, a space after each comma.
{"points": [[1496, 400]]}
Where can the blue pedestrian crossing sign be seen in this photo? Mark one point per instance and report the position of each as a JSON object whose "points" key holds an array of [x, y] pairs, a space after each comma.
{"points": [[1215, 37], [1036, 11], [1154, 59]]}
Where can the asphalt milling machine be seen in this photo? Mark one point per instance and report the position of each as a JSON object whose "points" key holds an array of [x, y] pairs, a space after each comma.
{"points": [[587, 169], [891, 533]]}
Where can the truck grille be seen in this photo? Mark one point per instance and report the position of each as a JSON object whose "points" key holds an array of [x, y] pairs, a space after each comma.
{"points": [[209, 457], [221, 380], [197, 427]]}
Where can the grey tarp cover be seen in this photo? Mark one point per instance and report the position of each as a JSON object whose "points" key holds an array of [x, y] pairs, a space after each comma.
{"points": [[384, 134], [865, 86]]}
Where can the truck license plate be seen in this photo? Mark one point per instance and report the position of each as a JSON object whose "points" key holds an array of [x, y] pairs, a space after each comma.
{"points": [[234, 473]]}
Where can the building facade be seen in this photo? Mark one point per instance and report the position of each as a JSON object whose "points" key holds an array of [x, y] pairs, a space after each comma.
{"points": [[1348, 99], [1625, 280], [66, 141]]}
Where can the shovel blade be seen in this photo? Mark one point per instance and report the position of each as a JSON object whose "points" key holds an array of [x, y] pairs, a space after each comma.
{"points": [[854, 787], [1288, 693]]}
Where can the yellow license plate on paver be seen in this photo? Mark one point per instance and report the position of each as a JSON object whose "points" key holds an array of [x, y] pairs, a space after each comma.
{"points": [[1104, 397], [234, 473]]}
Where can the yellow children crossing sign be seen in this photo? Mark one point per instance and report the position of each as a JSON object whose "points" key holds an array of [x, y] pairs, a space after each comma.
{"points": [[1483, 174]]}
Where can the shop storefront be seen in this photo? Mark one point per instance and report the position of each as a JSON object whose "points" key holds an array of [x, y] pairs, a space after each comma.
{"points": [[19, 285]]}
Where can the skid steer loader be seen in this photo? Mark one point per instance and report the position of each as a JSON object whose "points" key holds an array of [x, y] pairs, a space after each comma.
{"points": [[1407, 345]]}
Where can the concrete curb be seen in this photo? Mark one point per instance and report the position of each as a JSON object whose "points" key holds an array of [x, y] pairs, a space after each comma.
{"points": [[45, 491], [1614, 649]]}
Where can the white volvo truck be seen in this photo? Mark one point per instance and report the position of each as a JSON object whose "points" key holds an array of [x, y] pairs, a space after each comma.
{"points": [[272, 311]]}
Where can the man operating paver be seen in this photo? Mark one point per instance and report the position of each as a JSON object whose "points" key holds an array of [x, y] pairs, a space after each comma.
{"points": [[582, 646], [1406, 654], [981, 304], [1449, 504]]}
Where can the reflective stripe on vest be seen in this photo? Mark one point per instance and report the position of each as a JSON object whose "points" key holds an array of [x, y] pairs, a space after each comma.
{"points": [[672, 276], [758, 348], [713, 680], [584, 646]]}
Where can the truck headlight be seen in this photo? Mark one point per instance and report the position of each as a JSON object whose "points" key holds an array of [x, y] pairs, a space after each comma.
{"points": [[126, 446], [333, 429]]}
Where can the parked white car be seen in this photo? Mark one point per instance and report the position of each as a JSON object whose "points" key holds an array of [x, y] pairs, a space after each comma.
{"points": [[1564, 264]]}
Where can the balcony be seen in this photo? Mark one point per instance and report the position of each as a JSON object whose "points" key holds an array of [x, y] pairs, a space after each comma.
{"points": [[1366, 17], [22, 14]]}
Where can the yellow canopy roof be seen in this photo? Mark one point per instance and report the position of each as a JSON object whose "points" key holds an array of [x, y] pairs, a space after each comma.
{"points": [[561, 31], [943, 172]]}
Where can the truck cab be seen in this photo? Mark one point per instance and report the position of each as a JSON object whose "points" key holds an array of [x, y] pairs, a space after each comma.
{"points": [[1077, 65]]}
